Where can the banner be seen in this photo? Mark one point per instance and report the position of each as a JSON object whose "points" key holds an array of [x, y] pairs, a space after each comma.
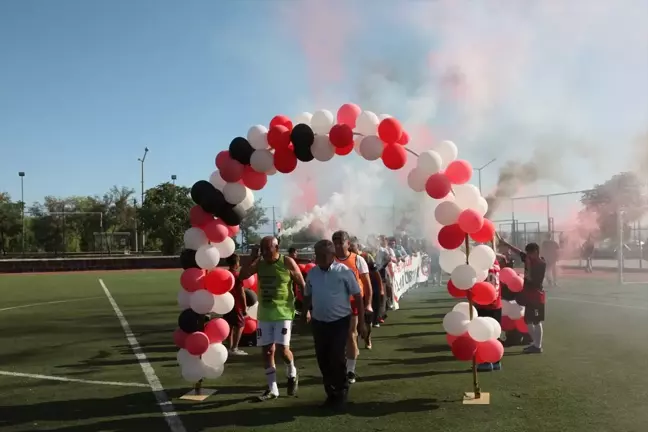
{"points": [[405, 275]]}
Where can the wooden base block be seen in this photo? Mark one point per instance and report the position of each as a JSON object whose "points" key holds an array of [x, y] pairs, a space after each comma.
{"points": [[198, 397], [469, 399]]}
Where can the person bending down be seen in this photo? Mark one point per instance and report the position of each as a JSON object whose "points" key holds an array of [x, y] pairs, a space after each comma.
{"points": [[276, 274]]}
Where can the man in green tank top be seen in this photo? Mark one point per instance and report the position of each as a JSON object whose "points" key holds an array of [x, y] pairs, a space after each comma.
{"points": [[276, 274]]}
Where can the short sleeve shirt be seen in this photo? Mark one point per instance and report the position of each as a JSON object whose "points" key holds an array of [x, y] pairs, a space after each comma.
{"points": [[330, 291]]}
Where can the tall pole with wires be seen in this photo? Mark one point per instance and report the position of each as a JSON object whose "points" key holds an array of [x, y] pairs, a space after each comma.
{"points": [[142, 160]]}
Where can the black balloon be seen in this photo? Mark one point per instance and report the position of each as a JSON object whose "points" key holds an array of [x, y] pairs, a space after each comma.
{"points": [[304, 153], [250, 297], [190, 321], [188, 259], [241, 150], [199, 190], [232, 216], [302, 136], [208, 197]]}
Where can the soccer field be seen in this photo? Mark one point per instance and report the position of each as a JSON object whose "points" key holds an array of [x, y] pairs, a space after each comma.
{"points": [[67, 365]]}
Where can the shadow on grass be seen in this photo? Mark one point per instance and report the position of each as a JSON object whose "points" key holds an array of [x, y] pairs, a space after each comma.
{"points": [[436, 316], [426, 349]]}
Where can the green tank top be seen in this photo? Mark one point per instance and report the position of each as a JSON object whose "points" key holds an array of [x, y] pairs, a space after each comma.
{"points": [[276, 296]]}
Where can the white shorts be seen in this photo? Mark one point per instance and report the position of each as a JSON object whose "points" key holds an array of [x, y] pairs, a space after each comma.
{"points": [[274, 332]]}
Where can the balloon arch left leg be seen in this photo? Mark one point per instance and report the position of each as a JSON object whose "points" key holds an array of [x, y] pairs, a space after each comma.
{"points": [[222, 202]]}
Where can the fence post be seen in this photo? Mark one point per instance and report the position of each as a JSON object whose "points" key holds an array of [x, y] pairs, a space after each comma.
{"points": [[620, 246]]}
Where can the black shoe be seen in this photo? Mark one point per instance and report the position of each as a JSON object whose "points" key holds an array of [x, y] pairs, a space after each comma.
{"points": [[267, 395], [351, 377], [293, 385]]}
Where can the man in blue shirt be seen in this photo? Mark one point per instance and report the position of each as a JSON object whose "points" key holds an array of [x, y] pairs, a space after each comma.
{"points": [[328, 287]]}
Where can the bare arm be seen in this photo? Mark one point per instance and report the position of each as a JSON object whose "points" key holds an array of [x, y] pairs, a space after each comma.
{"points": [[366, 288], [295, 272], [238, 290]]}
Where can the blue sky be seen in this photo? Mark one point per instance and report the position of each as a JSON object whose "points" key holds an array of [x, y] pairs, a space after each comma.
{"points": [[86, 85]]}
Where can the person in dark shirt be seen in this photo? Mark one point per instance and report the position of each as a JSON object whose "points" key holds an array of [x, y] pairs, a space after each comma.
{"points": [[550, 251], [588, 253], [532, 296]]}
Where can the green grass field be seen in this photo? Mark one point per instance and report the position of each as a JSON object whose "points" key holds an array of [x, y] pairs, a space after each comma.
{"points": [[592, 376]]}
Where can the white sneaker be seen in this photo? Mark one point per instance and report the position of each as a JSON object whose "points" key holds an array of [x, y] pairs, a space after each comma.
{"points": [[238, 352]]}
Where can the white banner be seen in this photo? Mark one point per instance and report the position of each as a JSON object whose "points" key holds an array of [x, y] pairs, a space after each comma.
{"points": [[405, 275]]}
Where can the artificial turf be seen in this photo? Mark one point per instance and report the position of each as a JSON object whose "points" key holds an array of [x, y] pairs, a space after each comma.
{"points": [[590, 378]]}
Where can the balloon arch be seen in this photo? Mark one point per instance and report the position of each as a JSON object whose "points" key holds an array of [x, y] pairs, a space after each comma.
{"points": [[222, 201]]}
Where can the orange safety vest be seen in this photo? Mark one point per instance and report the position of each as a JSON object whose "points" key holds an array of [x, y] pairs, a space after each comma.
{"points": [[351, 263]]}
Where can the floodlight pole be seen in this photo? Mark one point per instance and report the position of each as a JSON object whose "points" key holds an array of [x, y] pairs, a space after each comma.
{"points": [[142, 160], [21, 174], [479, 170], [174, 178]]}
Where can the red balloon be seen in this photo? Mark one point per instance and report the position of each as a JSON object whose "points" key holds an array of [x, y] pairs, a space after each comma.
{"points": [[179, 338], [222, 158], [521, 326], [232, 171], [450, 338], [217, 330], [302, 268], [485, 234], [192, 279], [483, 293], [490, 351], [507, 274], [250, 325], [199, 217], [279, 137], [459, 172], [251, 282], [451, 237], [233, 230], [390, 130], [470, 221], [341, 135], [285, 161], [308, 267], [464, 348], [394, 156], [348, 114], [219, 281], [253, 179], [343, 151], [215, 230], [281, 120], [197, 343], [438, 186], [516, 284], [456, 292], [404, 139], [507, 324]]}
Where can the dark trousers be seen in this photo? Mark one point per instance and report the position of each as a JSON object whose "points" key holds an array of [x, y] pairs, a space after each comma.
{"points": [[330, 345]]}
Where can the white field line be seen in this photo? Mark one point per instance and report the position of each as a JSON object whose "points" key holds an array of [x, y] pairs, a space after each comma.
{"points": [[48, 303], [598, 303], [55, 378], [168, 410]]}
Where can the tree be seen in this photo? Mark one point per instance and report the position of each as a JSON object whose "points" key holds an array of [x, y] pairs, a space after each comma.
{"points": [[165, 215], [623, 192], [254, 219], [10, 223]]}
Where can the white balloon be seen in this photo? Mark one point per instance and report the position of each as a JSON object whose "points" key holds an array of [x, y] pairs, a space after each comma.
{"points": [[213, 373], [247, 203], [371, 147], [183, 299], [201, 301], [207, 257], [516, 311], [416, 180], [506, 307], [448, 152], [497, 328], [455, 323], [482, 206], [234, 193], [356, 144], [482, 275], [226, 247], [464, 276], [480, 329], [223, 303], [192, 372], [466, 196], [184, 357], [481, 257], [367, 123], [257, 136], [217, 181], [451, 259], [273, 171], [322, 148], [215, 356], [322, 121], [382, 117], [194, 238], [262, 161], [429, 162], [464, 308], [304, 118], [253, 311], [447, 212]]}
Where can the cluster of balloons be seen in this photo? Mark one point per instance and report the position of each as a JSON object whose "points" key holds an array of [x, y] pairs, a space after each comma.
{"points": [[512, 312], [476, 338]]}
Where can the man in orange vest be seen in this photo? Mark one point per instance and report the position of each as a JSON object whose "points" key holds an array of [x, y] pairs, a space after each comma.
{"points": [[360, 269]]}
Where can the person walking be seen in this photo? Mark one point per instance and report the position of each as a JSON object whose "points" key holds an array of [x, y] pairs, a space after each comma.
{"points": [[328, 287]]}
